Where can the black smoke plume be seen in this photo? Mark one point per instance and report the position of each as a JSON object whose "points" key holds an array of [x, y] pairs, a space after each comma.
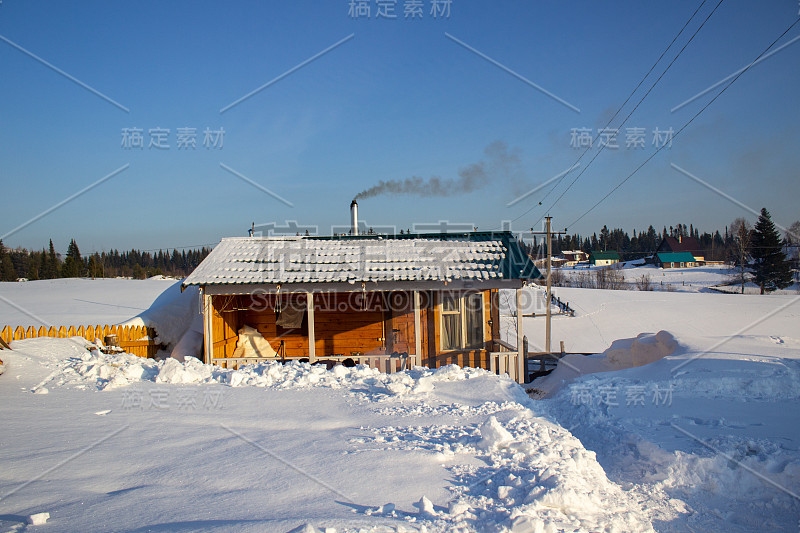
{"points": [[499, 163]]}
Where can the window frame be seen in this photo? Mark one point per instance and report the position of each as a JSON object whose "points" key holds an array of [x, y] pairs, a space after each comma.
{"points": [[462, 311]]}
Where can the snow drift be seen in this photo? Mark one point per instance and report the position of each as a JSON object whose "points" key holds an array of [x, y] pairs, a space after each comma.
{"points": [[646, 348]]}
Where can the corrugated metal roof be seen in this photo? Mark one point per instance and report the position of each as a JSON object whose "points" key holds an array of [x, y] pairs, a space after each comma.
{"points": [[467, 257]]}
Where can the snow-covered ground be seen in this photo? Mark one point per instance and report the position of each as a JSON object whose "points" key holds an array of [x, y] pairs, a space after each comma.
{"points": [[703, 435], [77, 302], [119, 443], [712, 422]]}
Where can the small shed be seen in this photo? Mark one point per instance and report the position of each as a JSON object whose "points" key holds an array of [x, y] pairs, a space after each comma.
{"points": [[604, 258], [390, 301], [675, 260]]}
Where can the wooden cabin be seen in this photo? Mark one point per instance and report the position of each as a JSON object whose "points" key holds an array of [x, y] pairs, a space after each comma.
{"points": [[388, 301]]}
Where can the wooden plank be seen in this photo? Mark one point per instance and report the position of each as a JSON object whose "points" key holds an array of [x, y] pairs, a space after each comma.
{"points": [[208, 336], [417, 325], [520, 377], [310, 319], [495, 314]]}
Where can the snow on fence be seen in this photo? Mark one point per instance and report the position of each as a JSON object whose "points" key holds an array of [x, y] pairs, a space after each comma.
{"points": [[137, 340]]}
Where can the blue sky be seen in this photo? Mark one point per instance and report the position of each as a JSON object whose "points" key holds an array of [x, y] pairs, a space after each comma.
{"points": [[398, 99]]}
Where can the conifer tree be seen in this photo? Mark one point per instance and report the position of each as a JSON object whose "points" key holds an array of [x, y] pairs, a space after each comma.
{"points": [[770, 268], [72, 264], [54, 268], [7, 272]]}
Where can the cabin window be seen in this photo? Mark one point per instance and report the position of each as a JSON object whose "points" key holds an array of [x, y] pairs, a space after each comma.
{"points": [[462, 321]]}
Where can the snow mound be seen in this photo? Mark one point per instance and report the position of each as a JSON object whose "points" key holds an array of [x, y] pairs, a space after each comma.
{"points": [[172, 314], [534, 474], [494, 435], [645, 349], [109, 371]]}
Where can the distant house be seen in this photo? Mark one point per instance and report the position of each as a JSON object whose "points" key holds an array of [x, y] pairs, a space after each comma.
{"points": [[604, 258], [387, 301], [675, 260], [573, 257], [682, 244], [555, 262]]}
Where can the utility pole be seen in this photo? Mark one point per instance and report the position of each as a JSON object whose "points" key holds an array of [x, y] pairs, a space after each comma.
{"points": [[548, 313], [549, 286]]}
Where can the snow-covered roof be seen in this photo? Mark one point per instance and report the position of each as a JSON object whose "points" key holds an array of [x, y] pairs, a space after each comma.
{"points": [[485, 258]]}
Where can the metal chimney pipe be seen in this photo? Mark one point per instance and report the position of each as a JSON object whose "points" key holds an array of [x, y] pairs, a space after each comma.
{"points": [[354, 217]]}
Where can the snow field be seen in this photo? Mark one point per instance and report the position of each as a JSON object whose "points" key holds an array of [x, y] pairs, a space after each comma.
{"points": [[506, 467], [690, 426], [78, 302], [709, 428]]}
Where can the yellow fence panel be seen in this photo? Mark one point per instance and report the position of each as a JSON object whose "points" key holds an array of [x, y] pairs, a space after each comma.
{"points": [[137, 340]]}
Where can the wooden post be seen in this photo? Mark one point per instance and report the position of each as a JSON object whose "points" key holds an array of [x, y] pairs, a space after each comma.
{"points": [[312, 356], [520, 355], [525, 355], [417, 329], [208, 330]]}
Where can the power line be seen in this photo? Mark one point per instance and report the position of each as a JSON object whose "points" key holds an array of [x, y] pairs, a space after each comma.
{"points": [[620, 184], [626, 101], [640, 101], [552, 189]]}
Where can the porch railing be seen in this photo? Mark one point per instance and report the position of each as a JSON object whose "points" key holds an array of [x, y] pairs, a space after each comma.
{"points": [[506, 360], [388, 364]]}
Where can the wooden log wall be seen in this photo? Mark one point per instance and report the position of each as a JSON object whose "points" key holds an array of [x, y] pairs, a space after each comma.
{"points": [[347, 323], [344, 323]]}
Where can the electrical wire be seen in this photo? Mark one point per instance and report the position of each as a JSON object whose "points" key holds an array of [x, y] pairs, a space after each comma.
{"points": [[620, 184], [554, 187], [584, 169]]}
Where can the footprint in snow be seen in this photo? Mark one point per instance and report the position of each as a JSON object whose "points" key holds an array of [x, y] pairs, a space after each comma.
{"points": [[776, 340]]}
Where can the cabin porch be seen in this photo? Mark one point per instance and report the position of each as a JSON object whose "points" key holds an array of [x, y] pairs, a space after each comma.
{"points": [[387, 330]]}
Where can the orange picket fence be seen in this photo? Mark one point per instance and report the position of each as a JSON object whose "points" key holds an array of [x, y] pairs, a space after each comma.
{"points": [[137, 340]]}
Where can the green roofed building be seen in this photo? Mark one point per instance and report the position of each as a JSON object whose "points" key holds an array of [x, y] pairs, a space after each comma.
{"points": [[604, 258], [675, 260]]}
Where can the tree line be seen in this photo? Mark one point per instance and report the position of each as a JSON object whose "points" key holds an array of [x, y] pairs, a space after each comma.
{"points": [[758, 251], [137, 264], [716, 246]]}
